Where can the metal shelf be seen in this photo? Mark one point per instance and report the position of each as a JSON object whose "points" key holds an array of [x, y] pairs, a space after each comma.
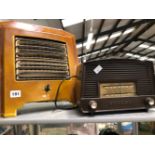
{"points": [[74, 116]]}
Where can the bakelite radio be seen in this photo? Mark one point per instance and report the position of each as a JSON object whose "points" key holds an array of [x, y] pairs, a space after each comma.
{"points": [[117, 85], [33, 61]]}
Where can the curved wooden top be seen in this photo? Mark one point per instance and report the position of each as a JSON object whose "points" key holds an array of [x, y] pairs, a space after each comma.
{"points": [[33, 27]]}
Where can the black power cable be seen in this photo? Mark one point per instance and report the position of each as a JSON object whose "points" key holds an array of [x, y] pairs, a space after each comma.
{"points": [[57, 94]]}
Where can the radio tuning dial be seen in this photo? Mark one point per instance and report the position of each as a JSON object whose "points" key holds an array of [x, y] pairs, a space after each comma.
{"points": [[93, 104], [150, 101]]}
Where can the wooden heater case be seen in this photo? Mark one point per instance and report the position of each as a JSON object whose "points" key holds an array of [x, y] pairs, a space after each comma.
{"points": [[33, 61], [117, 85]]}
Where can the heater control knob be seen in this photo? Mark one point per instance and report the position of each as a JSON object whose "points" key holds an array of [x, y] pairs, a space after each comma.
{"points": [[150, 101], [47, 88], [93, 104]]}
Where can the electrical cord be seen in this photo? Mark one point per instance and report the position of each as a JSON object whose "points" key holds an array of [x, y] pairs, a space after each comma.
{"points": [[57, 94]]}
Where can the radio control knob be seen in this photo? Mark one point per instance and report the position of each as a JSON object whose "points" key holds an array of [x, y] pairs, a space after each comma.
{"points": [[47, 88], [150, 101], [93, 104]]}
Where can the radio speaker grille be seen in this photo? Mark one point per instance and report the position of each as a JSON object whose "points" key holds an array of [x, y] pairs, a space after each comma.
{"points": [[40, 59]]}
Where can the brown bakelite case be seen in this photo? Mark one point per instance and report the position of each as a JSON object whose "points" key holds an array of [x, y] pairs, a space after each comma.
{"points": [[33, 61], [117, 85]]}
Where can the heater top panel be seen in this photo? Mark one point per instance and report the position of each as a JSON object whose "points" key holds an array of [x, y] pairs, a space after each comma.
{"points": [[33, 28]]}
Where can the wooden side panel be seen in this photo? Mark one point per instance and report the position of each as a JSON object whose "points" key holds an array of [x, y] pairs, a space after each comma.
{"points": [[1, 69]]}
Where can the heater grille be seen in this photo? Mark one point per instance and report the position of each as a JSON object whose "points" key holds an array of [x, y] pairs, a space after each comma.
{"points": [[40, 59]]}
